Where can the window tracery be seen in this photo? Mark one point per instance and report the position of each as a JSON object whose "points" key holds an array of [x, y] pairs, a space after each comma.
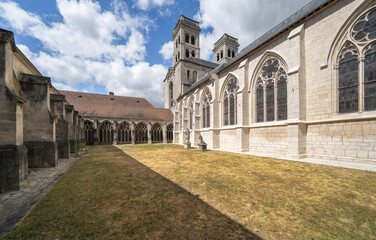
{"points": [[356, 67], [106, 132], [271, 92], [156, 133], [124, 133], [141, 133], [365, 28], [229, 102], [169, 133]]}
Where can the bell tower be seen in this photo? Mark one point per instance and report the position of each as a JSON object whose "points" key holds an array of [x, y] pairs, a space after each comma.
{"points": [[225, 49], [186, 38]]}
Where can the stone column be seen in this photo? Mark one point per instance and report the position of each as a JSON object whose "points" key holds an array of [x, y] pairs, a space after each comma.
{"points": [[164, 129], [115, 133], [96, 132], [133, 124], [62, 125], [13, 153], [296, 87], [149, 133]]}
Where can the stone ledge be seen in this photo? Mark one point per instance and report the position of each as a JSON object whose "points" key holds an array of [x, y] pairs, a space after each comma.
{"points": [[35, 79]]}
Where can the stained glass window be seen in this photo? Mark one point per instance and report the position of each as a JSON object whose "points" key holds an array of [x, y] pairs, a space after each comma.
{"points": [[365, 28], [270, 101], [282, 96], [204, 116], [232, 109], [272, 74], [348, 79], [230, 102], [370, 79], [208, 115], [260, 102], [225, 106]]}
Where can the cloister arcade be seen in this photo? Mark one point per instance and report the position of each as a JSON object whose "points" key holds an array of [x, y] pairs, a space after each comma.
{"points": [[123, 132]]}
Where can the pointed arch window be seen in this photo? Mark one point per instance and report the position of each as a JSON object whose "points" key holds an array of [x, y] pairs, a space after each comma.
{"points": [[221, 54], [230, 102], [271, 91], [171, 90], [191, 115], [193, 54], [370, 78], [187, 38], [348, 81], [187, 53], [206, 109]]}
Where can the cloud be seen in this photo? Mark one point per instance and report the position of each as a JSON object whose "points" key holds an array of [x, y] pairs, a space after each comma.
{"points": [[91, 47], [244, 19], [167, 50], [148, 4]]}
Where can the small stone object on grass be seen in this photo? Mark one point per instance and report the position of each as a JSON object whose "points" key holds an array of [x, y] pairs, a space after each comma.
{"points": [[187, 142], [202, 146]]}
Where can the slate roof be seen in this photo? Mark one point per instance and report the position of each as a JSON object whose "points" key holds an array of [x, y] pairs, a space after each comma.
{"points": [[201, 62], [288, 23], [112, 106]]}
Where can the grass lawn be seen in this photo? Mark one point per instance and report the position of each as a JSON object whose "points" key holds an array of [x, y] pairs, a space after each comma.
{"points": [[109, 195], [276, 199]]}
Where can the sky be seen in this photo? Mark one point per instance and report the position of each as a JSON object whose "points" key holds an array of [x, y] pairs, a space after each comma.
{"points": [[125, 46]]}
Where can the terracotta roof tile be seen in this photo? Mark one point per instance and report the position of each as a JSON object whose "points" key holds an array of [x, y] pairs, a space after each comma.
{"points": [[111, 106]]}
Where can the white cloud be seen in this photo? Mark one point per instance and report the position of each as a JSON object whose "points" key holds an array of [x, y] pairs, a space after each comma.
{"points": [[148, 4], [91, 46], [167, 50], [244, 19]]}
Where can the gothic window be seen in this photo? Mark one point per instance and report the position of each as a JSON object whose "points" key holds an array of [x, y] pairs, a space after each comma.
{"points": [[141, 133], [106, 132], [187, 38], [178, 55], [370, 78], [365, 28], [271, 92], [225, 109], [233, 53], [193, 40], [194, 76], [187, 53], [156, 133], [191, 115], [221, 54], [176, 44], [171, 89], [124, 133], [169, 133], [282, 95], [228, 53], [229, 103], [348, 79], [89, 132], [188, 75], [206, 108], [179, 39], [260, 101], [217, 57], [193, 54]]}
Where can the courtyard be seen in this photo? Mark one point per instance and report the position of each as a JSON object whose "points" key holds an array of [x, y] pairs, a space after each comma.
{"points": [[164, 191]]}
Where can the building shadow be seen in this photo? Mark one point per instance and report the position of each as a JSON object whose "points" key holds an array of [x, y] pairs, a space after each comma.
{"points": [[185, 216]]}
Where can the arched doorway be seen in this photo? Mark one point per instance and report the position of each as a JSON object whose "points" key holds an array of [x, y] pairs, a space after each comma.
{"points": [[156, 133], [141, 133], [124, 133], [170, 134], [106, 133], [89, 132]]}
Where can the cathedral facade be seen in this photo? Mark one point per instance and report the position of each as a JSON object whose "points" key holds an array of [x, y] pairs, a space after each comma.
{"points": [[304, 90]]}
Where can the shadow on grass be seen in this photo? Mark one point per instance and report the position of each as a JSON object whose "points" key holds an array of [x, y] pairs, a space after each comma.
{"points": [[183, 215], [110, 195]]}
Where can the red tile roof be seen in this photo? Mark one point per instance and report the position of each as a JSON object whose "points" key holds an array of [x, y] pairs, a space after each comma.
{"points": [[111, 106]]}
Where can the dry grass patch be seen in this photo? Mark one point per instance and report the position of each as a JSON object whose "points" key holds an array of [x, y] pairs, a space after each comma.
{"points": [[276, 198], [109, 195]]}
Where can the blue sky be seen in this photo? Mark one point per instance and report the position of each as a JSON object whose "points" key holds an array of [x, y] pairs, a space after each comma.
{"points": [[126, 46]]}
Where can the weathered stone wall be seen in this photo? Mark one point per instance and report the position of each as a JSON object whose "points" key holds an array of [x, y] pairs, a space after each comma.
{"points": [[39, 135], [268, 140], [62, 125]]}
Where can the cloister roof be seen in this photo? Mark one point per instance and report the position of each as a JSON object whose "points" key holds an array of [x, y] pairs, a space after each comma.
{"points": [[111, 106]]}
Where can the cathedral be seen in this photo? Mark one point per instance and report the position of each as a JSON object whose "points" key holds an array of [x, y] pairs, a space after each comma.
{"points": [[306, 89]]}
